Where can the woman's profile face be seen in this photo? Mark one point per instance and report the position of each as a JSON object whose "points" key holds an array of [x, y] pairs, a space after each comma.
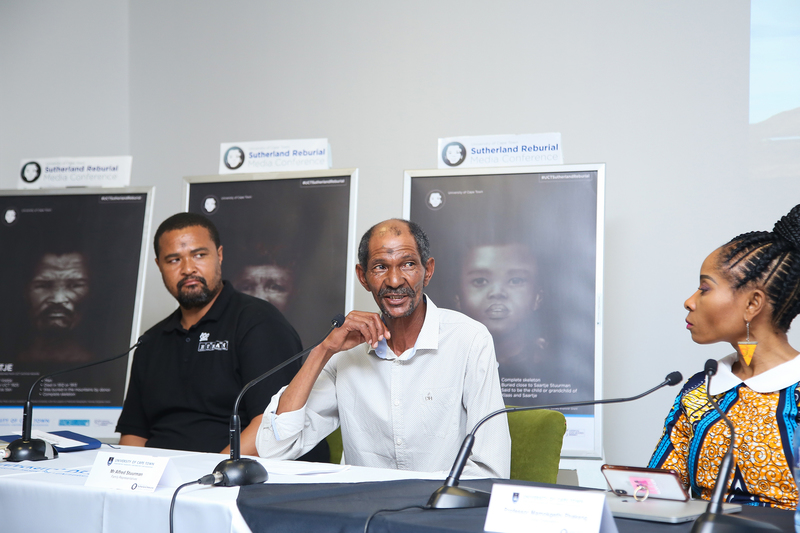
{"points": [[716, 310], [499, 286]]}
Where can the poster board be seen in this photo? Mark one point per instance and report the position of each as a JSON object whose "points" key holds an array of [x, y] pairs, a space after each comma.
{"points": [[287, 237], [521, 250], [72, 291]]}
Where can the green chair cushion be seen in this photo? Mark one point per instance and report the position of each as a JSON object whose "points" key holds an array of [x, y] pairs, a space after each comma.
{"points": [[536, 438], [336, 446]]}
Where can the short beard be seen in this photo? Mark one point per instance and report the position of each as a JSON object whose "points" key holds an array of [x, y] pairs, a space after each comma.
{"points": [[408, 291], [53, 328], [196, 299]]}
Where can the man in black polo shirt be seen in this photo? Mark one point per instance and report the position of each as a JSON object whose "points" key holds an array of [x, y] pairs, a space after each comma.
{"points": [[187, 373]]}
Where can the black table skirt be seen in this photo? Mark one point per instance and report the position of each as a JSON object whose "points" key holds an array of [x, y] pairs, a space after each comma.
{"points": [[344, 507]]}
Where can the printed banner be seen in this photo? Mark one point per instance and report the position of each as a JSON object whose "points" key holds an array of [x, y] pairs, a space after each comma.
{"points": [[99, 422], [274, 156], [520, 250], [71, 296], [63, 172], [500, 151], [276, 230]]}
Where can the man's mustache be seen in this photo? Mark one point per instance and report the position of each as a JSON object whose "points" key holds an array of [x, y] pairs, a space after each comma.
{"points": [[187, 279], [56, 308], [402, 291]]}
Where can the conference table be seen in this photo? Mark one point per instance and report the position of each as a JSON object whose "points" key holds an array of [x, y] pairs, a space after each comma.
{"points": [[52, 496]]}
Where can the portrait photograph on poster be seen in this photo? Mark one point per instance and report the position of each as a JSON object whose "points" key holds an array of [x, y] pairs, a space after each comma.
{"points": [[71, 293], [520, 250], [287, 238]]}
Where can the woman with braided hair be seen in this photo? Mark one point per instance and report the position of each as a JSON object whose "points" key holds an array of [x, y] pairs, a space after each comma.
{"points": [[748, 296]]}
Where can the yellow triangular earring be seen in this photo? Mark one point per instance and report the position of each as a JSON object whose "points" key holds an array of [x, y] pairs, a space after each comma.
{"points": [[748, 347]]}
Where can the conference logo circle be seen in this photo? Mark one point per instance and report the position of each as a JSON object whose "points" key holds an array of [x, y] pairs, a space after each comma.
{"points": [[210, 204], [453, 154], [10, 216], [30, 172], [435, 200], [234, 157]]}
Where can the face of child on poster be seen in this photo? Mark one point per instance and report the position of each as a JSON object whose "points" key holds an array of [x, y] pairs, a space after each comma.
{"points": [[269, 282], [499, 287]]}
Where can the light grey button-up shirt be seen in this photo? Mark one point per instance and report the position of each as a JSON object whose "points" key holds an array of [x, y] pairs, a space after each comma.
{"points": [[409, 411]]}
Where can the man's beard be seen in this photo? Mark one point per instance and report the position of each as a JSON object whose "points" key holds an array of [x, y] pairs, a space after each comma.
{"points": [[407, 291], [55, 326], [197, 298]]}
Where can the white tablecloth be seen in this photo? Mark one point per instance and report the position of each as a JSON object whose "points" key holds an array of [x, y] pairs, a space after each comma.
{"points": [[50, 495]]}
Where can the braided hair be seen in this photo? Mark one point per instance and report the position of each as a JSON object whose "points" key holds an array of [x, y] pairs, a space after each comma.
{"points": [[770, 259]]}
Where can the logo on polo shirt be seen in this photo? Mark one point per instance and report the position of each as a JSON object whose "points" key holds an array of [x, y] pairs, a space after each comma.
{"points": [[206, 345]]}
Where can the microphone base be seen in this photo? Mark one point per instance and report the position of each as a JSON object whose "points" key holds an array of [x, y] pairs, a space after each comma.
{"points": [[30, 450], [240, 472], [457, 498], [725, 523]]}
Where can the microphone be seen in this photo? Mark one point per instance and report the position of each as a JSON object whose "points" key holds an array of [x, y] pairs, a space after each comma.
{"points": [[714, 520], [235, 472], [28, 449], [451, 496]]}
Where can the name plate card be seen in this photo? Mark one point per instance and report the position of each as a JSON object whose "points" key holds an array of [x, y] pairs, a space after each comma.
{"points": [[519, 508], [124, 471], [274, 156], [500, 151], [62, 172]]}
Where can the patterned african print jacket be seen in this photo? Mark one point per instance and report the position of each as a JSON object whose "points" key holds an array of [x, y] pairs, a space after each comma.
{"points": [[764, 411]]}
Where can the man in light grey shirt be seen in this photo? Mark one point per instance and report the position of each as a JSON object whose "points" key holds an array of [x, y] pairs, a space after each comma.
{"points": [[407, 385]]}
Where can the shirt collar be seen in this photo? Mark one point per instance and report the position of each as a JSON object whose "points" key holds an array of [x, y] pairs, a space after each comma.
{"points": [[428, 338], [773, 380], [213, 314]]}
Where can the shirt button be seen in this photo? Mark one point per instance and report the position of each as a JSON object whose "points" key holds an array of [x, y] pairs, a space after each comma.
{"points": [[188, 339], [397, 401], [399, 441]]}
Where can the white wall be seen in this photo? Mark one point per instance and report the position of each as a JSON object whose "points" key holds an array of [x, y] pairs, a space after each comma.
{"points": [[63, 81], [658, 91]]}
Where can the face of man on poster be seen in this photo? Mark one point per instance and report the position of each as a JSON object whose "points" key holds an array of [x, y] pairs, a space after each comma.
{"points": [[190, 266], [270, 282], [395, 273], [57, 293], [499, 287]]}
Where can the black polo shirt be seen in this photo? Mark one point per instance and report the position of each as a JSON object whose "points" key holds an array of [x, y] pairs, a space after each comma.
{"points": [[184, 383]]}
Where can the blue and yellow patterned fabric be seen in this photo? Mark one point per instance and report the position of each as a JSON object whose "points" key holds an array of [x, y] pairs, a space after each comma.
{"points": [[695, 439]]}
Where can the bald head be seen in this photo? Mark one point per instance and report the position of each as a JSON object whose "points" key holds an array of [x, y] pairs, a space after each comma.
{"points": [[395, 227]]}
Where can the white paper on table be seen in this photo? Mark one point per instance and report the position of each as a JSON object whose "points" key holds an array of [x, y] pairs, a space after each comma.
{"points": [[302, 468], [56, 440]]}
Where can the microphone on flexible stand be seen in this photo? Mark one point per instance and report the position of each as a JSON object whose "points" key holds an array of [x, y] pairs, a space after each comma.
{"points": [[714, 520], [451, 496], [235, 472], [28, 449]]}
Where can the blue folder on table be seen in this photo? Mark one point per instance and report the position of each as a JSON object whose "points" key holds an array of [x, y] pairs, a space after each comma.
{"points": [[89, 443]]}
